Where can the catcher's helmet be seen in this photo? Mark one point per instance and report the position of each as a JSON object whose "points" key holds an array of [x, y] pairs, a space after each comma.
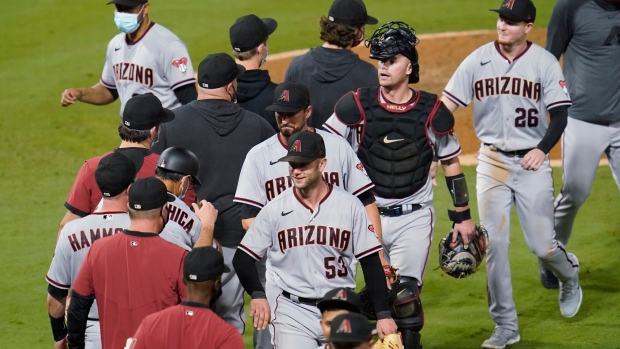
{"points": [[180, 160], [393, 38]]}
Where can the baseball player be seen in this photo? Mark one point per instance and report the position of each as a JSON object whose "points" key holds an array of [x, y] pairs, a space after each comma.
{"points": [[396, 131], [515, 84], [313, 234], [351, 331], [145, 58], [191, 324], [178, 168], [336, 302], [114, 174], [587, 33]]}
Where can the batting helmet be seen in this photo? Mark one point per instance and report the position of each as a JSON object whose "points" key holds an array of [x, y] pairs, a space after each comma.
{"points": [[180, 160], [393, 38]]}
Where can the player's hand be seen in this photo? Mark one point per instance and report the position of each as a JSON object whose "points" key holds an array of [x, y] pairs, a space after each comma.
{"points": [[61, 344], [466, 228], [70, 96], [533, 160], [260, 312], [433, 172], [206, 212], [385, 327]]}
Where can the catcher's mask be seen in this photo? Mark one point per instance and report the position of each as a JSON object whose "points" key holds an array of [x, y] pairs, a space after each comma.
{"points": [[393, 38]]}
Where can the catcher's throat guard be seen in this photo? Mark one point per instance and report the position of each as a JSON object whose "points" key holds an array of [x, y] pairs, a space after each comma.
{"points": [[460, 261]]}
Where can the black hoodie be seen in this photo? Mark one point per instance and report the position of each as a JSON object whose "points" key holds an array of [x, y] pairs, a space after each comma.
{"points": [[255, 93], [329, 74], [220, 133]]}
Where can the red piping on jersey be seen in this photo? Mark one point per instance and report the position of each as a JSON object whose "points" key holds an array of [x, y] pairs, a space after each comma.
{"points": [[275, 315], [331, 129], [363, 189], [428, 249], [130, 43], [529, 44], [56, 283], [359, 107], [329, 191], [250, 252], [368, 252], [450, 156], [110, 212], [285, 146], [248, 201], [427, 124], [107, 84], [558, 103], [184, 82], [454, 99], [410, 104]]}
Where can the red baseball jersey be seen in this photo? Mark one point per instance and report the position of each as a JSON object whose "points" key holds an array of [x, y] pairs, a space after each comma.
{"points": [[188, 325], [131, 275]]}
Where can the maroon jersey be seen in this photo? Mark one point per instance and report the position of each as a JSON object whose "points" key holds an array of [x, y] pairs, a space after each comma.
{"points": [[131, 275], [188, 325]]}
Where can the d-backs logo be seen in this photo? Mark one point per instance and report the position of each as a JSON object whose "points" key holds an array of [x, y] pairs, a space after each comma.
{"points": [[181, 64], [284, 96], [296, 147], [345, 327], [342, 295], [563, 85], [360, 167]]}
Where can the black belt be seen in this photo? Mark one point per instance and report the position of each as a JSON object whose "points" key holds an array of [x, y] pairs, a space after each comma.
{"points": [[398, 210], [307, 301], [92, 319], [519, 153]]}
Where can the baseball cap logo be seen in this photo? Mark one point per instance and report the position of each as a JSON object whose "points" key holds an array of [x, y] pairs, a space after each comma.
{"points": [[284, 96], [296, 146], [342, 294], [345, 327], [127, 123], [509, 4], [163, 163]]}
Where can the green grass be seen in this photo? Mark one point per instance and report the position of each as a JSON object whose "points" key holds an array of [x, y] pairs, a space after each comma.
{"points": [[49, 45]]}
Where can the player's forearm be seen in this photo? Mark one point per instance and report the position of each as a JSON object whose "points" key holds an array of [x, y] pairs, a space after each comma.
{"points": [[557, 123], [97, 95], [374, 278], [375, 218], [246, 223], [205, 238], [245, 266], [56, 306], [77, 316]]}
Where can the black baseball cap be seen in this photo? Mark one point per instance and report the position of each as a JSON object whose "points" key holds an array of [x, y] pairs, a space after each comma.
{"points": [[114, 174], [350, 12], [148, 194], [131, 3], [248, 32], [204, 264], [518, 10], [290, 97], [304, 146], [217, 70], [342, 299], [143, 112], [350, 328]]}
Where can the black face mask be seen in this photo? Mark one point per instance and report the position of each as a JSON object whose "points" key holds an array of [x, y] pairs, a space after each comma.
{"points": [[216, 294], [233, 96], [163, 219]]}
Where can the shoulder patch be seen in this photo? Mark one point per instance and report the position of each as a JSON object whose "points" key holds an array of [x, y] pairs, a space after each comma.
{"points": [[349, 110], [442, 121]]}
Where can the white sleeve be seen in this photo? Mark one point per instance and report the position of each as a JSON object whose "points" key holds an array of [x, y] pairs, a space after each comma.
{"points": [[250, 187], [337, 127], [258, 239], [59, 274], [446, 145], [460, 87], [107, 75], [365, 240], [178, 69], [555, 90], [357, 180]]}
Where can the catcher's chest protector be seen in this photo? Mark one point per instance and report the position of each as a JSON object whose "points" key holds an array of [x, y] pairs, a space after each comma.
{"points": [[393, 146]]}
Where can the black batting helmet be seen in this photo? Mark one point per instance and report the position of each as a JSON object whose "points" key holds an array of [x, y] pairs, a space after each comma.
{"points": [[180, 160], [393, 38]]}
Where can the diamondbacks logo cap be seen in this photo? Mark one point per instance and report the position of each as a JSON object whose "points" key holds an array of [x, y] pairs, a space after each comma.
{"points": [[350, 328], [204, 264], [218, 70], [304, 146], [148, 194], [340, 299], [290, 97], [143, 112], [248, 32], [518, 10], [350, 12], [114, 174]]}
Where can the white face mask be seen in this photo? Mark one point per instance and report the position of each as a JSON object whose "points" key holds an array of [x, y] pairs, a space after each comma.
{"points": [[183, 192], [127, 22], [265, 58]]}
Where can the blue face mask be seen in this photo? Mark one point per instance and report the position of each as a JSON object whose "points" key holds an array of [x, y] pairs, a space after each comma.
{"points": [[127, 22]]}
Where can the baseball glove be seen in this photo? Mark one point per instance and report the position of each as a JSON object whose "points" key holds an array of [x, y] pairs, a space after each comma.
{"points": [[460, 261], [391, 273], [391, 341], [368, 306]]}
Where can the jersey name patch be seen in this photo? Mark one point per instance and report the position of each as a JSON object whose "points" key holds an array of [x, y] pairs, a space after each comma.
{"points": [[133, 72], [179, 216], [507, 85], [86, 240], [314, 235]]}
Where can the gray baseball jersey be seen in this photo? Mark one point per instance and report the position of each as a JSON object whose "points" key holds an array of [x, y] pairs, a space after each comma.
{"points": [[183, 227], [518, 93], [263, 178], [157, 63], [311, 252], [75, 241]]}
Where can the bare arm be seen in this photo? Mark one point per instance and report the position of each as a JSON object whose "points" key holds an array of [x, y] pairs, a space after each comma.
{"points": [[69, 216], [97, 95], [207, 214], [449, 104], [246, 223], [56, 309]]}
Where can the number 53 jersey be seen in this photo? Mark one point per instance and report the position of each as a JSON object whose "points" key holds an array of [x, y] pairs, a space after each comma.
{"points": [[511, 98], [310, 252]]}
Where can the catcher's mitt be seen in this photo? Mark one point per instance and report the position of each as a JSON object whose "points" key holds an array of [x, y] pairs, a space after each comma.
{"points": [[391, 273], [391, 341], [460, 261]]}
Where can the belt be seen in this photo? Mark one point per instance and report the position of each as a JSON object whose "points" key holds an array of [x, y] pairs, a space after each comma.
{"points": [[398, 210], [519, 153], [92, 319], [307, 301]]}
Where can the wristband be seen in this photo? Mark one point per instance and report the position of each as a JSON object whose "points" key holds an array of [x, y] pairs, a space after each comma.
{"points": [[459, 217]]}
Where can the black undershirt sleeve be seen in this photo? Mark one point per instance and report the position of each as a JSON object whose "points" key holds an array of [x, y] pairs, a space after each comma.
{"points": [[375, 284], [114, 92], [186, 93], [557, 123], [57, 293], [366, 197], [77, 316], [245, 266], [249, 211]]}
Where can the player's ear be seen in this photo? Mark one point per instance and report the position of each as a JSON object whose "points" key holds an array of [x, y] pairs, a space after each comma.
{"points": [[322, 164], [528, 27], [308, 112]]}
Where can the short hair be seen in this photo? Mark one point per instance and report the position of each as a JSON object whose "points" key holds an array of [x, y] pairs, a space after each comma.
{"points": [[169, 175], [247, 55], [133, 136], [148, 214], [338, 34]]}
